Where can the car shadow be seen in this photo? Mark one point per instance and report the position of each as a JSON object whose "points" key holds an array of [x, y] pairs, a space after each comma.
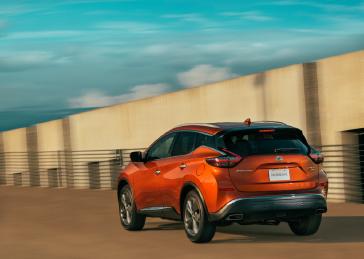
{"points": [[155, 226], [333, 230]]}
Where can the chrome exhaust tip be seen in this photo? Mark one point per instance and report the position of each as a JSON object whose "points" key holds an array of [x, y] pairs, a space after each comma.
{"points": [[235, 217], [320, 211]]}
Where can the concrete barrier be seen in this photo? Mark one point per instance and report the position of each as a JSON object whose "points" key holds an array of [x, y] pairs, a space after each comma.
{"points": [[323, 98]]}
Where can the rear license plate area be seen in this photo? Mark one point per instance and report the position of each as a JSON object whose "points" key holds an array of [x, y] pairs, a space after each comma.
{"points": [[279, 175]]}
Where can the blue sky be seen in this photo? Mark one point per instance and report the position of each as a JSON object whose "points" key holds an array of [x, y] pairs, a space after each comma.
{"points": [[61, 57]]}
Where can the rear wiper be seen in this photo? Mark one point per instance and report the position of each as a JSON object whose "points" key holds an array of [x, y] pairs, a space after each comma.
{"points": [[285, 149]]}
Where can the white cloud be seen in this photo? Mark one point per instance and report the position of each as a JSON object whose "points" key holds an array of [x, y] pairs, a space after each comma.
{"points": [[16, 9], [325, 6], [23, 60], [3, 24], [77, 2], [97, 98], [193, 18], [186, 17], [157, 49], [227, 47], [168, 49], [133, 27], [203, 74], [251, 16], [42, 34]]}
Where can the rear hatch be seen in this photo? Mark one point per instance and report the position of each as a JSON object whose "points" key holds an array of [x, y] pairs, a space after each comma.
{"points": [[272, 160]]}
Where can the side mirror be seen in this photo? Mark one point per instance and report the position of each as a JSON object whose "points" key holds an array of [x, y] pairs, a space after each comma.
{"points": [[136, 156]]}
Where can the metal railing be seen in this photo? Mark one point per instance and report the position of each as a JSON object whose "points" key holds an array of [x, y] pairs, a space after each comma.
{"points": [[344, 165], [98, 169], [95, 169]]}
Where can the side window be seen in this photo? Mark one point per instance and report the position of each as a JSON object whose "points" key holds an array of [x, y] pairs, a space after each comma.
{"points": [[184, 144], [162, 148], [205, 140]]}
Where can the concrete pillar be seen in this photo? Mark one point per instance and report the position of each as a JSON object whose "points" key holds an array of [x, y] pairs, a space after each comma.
{"points": [[310, 83], [62, 168], [68, 161], [33, 159]]}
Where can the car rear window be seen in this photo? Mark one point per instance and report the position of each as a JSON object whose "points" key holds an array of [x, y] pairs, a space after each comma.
{"points": [[255, 143]]}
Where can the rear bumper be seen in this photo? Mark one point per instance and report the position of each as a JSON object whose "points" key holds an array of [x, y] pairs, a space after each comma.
{"points": [[279, 207]]}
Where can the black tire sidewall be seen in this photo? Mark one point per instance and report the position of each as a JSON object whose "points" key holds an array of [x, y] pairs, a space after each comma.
{"points": [[205, 225], [308, 225], [137, 221], [123, 190]]}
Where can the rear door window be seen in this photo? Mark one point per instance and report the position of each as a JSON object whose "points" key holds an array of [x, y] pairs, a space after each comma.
{"points": [[204, 140], [184, 144], [256, 143]]}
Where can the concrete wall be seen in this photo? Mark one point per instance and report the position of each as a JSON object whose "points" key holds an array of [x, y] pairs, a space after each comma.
{"points": [[341, 93], [50, 144], [50, 136], [323, 98], [341, 106], [274, 95], [16, 161]]}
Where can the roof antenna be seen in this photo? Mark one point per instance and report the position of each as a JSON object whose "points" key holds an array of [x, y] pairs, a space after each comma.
{"points": [[247, 121]]}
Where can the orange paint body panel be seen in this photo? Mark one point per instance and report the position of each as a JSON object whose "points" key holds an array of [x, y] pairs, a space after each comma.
{"points": [[160, 183]]}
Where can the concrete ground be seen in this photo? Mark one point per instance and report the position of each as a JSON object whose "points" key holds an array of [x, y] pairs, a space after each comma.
{"points": [[62, 223]]}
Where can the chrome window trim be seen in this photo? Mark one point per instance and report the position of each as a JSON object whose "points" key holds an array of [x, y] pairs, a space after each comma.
{"points": [[193, 131], [210, 125]]}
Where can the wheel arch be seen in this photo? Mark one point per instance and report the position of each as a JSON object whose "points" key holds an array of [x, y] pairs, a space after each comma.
{"points": [[187, 187], [121, 184]]}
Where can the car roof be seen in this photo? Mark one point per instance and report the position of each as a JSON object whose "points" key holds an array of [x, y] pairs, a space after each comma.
{"points": [[217, 127]]}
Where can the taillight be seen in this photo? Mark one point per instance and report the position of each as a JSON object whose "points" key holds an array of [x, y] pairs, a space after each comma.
{"points": [[317, 158], [225, 161]]}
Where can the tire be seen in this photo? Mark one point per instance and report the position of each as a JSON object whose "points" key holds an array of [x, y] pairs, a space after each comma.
{"points": [[129, 217], [197, 227], [306, 226]]}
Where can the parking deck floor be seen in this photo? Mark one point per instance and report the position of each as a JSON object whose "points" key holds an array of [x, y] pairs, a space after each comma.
{"points": [[63, 223]]}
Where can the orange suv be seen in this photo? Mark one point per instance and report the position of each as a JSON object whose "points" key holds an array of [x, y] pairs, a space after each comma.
{"points": [[215, 174]]}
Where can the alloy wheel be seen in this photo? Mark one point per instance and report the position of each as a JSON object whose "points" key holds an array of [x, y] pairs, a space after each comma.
{"points": [[192, 218], [126, 208]]}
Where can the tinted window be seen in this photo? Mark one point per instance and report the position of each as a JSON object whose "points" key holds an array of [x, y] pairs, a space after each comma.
{"points": [[279, 142], [204, 140], [162, 148], [184, 144]]}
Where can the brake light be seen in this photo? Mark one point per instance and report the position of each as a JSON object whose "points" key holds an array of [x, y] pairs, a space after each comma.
{"points": [[266, 130], [225, 161]]}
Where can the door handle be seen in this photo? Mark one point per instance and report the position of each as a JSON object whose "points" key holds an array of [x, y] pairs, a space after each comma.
{"points": [[157, 172], [182, 166]]}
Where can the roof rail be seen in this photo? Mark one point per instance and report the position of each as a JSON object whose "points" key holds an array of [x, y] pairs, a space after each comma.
{"points": [[279, 122], [199, 124]]}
